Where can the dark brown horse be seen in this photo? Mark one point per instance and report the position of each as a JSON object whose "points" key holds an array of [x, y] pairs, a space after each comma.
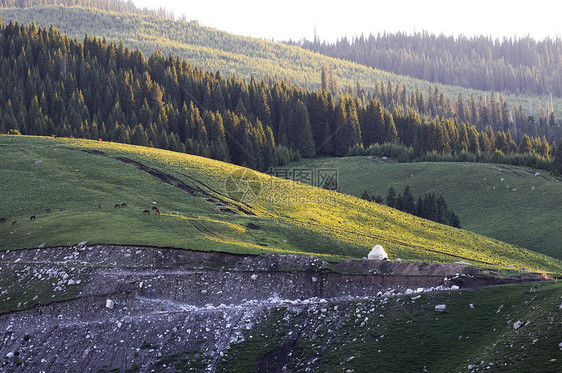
{"points": [[2, 220], [47, 210], [123, 205], [32, 217], [156, 210], [117, 206], [146, 212], [14, 223]]}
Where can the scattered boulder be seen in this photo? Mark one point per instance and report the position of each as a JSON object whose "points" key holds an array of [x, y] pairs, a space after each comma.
{"points": [[109, 304], [440, 307], [518, 324], [455, 287], [314, 279], [462, 263], [10, 355], [471, 305], [377, 253], [254, 277]]}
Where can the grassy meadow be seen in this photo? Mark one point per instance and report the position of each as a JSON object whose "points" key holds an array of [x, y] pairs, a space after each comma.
{"points": [[505, 202], [209, 205]]}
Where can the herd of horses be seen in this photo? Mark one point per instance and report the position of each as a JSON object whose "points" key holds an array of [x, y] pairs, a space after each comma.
{"points": [[155, 209], [33, 217]]}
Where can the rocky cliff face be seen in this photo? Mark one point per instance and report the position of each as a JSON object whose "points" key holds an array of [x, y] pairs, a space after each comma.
{"points": [[110, 308]]}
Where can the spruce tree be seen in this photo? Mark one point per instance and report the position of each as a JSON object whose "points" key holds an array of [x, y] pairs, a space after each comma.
{"points": [[525, 146], [391, 197], [557, 162], [391, 132], [408, 202]]}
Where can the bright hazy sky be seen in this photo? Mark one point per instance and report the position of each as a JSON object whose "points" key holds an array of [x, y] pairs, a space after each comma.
{"points": [[292, 19]]}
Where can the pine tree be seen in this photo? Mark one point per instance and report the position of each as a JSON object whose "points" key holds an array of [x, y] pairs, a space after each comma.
{"points": [[302, 131], [373, 129], [557, 162], [366, 196], [324, 83], [391, 132], [473, 142], [391, 197], [139, 136], [460, 108], [525, 146], [408, 202]]}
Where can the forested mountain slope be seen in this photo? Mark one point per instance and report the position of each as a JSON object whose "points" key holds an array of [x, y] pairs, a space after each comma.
{"points": [[518, 65], [213, 50], [54, 85]]}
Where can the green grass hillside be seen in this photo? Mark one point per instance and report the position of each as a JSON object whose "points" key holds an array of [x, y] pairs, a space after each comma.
{"points": [[209, 205], [212, 49], [506, 202], [405, 334]]}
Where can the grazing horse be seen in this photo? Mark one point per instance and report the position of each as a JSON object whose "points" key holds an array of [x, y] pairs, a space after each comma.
{"points": [[123, 205], [146, 212], [156, 209], [32, 217], [14, 223], [48, 210], [2, 220], [99, 206], [117, 206]]}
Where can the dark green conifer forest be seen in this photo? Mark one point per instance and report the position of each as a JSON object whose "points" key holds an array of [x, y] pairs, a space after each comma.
{"points": [[55, 85]]}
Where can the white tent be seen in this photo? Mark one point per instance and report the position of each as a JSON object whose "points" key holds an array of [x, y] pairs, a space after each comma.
{"points": [[378, 253]]}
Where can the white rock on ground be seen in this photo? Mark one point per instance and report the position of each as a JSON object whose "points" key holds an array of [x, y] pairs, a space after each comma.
{"points": [[109, 304], [377, 253], [440, 307], [518, 324]]}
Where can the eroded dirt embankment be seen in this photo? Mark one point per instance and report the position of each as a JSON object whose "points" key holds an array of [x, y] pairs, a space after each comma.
{"points": [[92, 308]]}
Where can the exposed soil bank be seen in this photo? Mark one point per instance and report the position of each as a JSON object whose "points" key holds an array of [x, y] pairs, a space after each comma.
{"points": [[100, 307]]}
